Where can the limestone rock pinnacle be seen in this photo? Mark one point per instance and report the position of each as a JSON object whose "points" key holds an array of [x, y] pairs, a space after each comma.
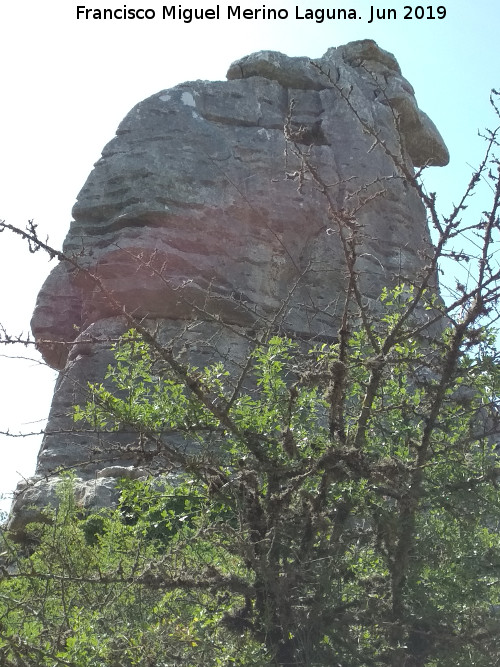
{"points": [[197, 206]]}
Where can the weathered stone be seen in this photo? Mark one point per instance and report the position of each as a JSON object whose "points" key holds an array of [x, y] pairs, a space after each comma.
{"points": [[190, 197], [36, 494], [69, 445], [200, 218]]}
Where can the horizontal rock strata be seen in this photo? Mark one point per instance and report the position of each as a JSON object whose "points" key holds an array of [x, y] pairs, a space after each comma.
{"points": [[200, 212]]}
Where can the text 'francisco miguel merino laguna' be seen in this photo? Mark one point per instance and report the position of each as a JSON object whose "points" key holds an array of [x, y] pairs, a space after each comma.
{"points": [[189, 14]]}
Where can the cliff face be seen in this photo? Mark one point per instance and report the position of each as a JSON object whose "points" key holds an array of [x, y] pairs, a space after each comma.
{"points": [[200, 214]]}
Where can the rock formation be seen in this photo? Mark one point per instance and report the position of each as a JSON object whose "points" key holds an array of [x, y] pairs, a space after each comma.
{"points": [[199, 214]]}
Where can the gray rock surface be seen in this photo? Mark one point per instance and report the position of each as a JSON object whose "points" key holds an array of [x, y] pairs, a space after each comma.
{"points": [[197, 213], [36, 494]]}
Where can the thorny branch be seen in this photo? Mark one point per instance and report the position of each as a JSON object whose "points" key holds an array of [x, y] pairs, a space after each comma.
{"points": [[303, 513]]}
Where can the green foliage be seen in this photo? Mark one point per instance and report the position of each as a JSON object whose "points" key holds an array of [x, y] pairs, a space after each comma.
{"points": [[300, 538], [105, 590], [325, 507], [145, 395]]}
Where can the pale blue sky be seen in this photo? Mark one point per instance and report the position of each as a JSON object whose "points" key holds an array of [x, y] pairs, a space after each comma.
{"points": [[66, 84]]}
